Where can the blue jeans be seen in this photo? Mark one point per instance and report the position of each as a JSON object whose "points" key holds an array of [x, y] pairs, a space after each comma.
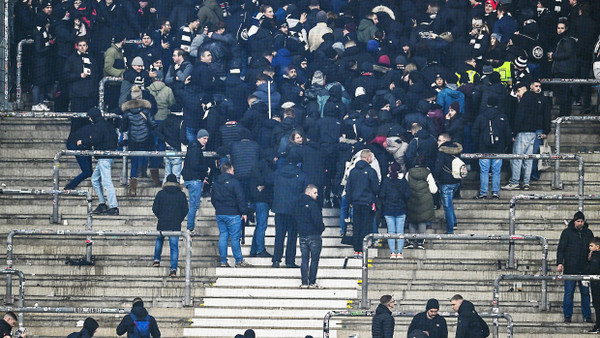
{"points": [[310, 249], [345, 212], [568, 299], [523, 145], [285, 224], [173, 246], [190, 133], [395, 225], [101, 178], [447, 191], [85, 164], [173, 166], [230, 227], [262, 217], [136, 162], [194, 188], [484, 176]]}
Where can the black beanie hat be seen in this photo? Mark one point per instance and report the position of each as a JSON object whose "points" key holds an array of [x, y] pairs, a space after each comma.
{"points": [[172, 178], [578, 215], [90, 324], [432, 304]]}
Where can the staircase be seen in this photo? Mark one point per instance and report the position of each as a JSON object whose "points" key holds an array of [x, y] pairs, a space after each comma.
{"points": [[227, 301]]}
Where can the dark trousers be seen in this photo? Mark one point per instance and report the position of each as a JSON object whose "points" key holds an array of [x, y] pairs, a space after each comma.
{"points": [[310, 248], [595, 286], [563, 96], [85, 164], [363, 224], [285, 224], [82, 104]]}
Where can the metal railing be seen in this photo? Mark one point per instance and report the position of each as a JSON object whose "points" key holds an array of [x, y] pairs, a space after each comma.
{"points": [[55, 217], [545, 279], [19, 98], [187, 301], [101, 86], [569, 81], [513, 211], [113, 153], [49, 114], [365, 304], [557, 132], [350, 313], [8, 32], [8, 298], [83, 310], [556, 183]]}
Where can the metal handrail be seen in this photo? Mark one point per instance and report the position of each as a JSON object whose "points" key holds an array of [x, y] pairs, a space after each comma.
{"points": [[8, 31], [114, 153], [513, 211], [556, 183], [20, 45], [569, 81], [101, 89], [8, 298], [352, 313], [83, 310], [557, 132], [49, 114], [365, 304], [66, 233], [545, 278]]}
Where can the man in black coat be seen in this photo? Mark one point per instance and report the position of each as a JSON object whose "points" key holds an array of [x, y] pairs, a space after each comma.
{"points": [[7, 323], [469, 325], [429, 321], [102, 137], [571, 258], [309, 220], [289, 183], [81, 73], [194, 174], [383, 321], [361, 191], [422, 144], [138, 317], [230, 209], [262, 196], [90, 325], [170, 207], [442, 172]]}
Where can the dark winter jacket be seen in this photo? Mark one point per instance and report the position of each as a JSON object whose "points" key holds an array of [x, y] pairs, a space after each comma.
{"points": [[420, 202], [81, 87], [383, 323], [593, 265], [442, 171], [244, 156], [496, 90], [363, 184], [572, 251], [309, 219], [455, 127], [127, 325], [262, 175], [436, 327], [194, 167], [314, 163], [564, 56], [423, 144], [501, 131], [169, 131], [135, 121], [84, 333], [170, 207], [469, 323], [289, 183], [394, 194], [533, 113], [227, 196], [102, 137]]}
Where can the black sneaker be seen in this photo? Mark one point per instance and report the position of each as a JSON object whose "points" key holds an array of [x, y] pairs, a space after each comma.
{"points": [[173, 273], [112, 212], [275, 264], [263, 254], [479, 197], [409, 245], [495, 196], [567, 319], [594, 330], [100, 209]]}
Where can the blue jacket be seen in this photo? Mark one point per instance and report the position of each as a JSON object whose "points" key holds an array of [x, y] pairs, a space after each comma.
{"points": [[447, 96], [227, 196], [363, 184], [289, 184], [394, 194]]}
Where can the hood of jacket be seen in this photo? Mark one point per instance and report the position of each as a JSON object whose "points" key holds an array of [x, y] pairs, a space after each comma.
{"points": [[212, 4], [423, 107], [418, 173], [365, 24], [466, 307], [133, 104], [362, 164], [139, 311], [156, 87], [171, 187], [451, 148], [572, 225]]}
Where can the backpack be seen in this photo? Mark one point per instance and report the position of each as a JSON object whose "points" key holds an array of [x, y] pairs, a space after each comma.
{"points": [[141, 327], [493, 131], [485, 330]]}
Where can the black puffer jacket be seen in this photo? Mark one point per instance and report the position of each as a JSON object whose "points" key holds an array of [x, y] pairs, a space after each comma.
{"points": [[362, 185], [227, 196], [102, 136], [262, 175], [394, 194], [170, 207], [309, 218], [170, 131], [194, 167], [383, 323], [500, 127], [244, 156], [573, 248], [469, 323], [564, 56], [135, 121], [289, 183], [442, 171]]}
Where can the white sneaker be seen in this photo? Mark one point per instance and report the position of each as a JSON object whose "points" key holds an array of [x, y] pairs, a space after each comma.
{"points": [[44, 107], [37, 107], [511, 186]]}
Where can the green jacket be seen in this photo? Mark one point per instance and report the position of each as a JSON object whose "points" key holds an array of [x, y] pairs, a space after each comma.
{"points": [[210, 13], [420, 203], [366, 30], [113, 59], [164, 99]]}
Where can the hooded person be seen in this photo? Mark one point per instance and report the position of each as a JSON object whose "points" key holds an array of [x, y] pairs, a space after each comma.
{"points": [[90, 325], [138, 320], [571, 258], [429, 321]]}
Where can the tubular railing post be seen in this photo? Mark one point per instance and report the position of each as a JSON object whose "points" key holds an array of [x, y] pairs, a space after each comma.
{"points": [[10, 272], [581, 180], [188, 269], [88, 226], [6, 42], [19, 70], [326, 324], [55, 184], [124, 168], [511, 231], [557, 183], [8, 299], [364, 302]]}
